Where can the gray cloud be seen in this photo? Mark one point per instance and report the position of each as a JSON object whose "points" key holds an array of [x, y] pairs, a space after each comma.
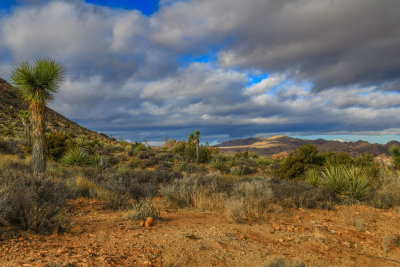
{"points": [[126, 75], [330, 43]]}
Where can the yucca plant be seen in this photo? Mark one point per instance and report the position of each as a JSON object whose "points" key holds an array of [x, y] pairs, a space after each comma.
{"points": [[37, 84], [98, 162], [358, 183], [76, 156], [333, 178], [313, 177]]}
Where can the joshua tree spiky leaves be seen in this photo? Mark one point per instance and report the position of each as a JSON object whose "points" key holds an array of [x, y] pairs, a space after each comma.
{"points": [[38, 82]]}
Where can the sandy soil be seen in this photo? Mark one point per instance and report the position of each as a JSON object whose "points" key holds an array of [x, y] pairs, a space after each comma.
{"points": [[346, 236]]}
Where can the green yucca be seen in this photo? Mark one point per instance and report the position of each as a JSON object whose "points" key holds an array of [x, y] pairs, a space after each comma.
{"points": [[98, 162], [37, 83], [313, 177], [76, 156], [351, 181], [358, 183], [333, 179]]}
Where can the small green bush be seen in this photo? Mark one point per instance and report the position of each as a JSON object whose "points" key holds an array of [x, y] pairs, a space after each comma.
{"points": [[218, 163], [395, 152], [164, 156], [299, 162], [56, 145]]}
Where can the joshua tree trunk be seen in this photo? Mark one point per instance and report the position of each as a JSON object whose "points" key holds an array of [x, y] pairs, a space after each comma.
{"points": [[197, 152], [38, 149], [28, 128]]}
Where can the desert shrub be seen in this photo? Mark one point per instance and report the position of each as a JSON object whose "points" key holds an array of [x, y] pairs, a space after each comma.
{"points": [[338, 158], [395, 152], [82, 186], [127, 184], [76, 156], [386, 194], [242, 170], [191, 168], [164, 156], [165, 165], [56, 145], [139, 147], [31, 203], [298, 194], [219, 163], [204, 153], [179, 149], [263, 163], [143, 209], [9, 146], [299, 161], [182, 192], [135, 163]]}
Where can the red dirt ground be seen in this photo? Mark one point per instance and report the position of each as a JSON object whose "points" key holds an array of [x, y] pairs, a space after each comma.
{"points": [[346, 236]]}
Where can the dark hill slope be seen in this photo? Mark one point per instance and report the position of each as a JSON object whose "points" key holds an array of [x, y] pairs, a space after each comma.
{"points": [[11, 103], [277, 144]]}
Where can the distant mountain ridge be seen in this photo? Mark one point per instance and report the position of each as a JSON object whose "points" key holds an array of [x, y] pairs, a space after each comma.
{"points": [[282, 143], [11, 103]]}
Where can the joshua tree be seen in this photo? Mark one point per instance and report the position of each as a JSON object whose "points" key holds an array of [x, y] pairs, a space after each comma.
{"points": [[195, 139], [37, 83], [25, 116], [165, 139]]}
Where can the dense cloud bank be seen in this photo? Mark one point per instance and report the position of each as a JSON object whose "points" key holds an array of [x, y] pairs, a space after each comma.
{"points": [[333, 66]]}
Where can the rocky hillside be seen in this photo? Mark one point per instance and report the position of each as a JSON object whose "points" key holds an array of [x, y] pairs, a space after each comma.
{"points": [[281, 143], [10, 105]]}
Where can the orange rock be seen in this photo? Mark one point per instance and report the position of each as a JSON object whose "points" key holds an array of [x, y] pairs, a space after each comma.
{"points": [[149, 222], [76, 230]]}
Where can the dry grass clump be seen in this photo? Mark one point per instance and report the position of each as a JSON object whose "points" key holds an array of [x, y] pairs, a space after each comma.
{"points": [[386, 193], [182, 192], [250, 198], [82, 186], [145, 208]]}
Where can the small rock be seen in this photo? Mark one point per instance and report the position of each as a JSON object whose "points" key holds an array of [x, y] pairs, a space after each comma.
{"points": [[346, 244], [149, 222], [76, 230], [141, 223]]}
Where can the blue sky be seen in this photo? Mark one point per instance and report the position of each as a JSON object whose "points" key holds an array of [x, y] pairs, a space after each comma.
{"points": [[232, 69]]}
